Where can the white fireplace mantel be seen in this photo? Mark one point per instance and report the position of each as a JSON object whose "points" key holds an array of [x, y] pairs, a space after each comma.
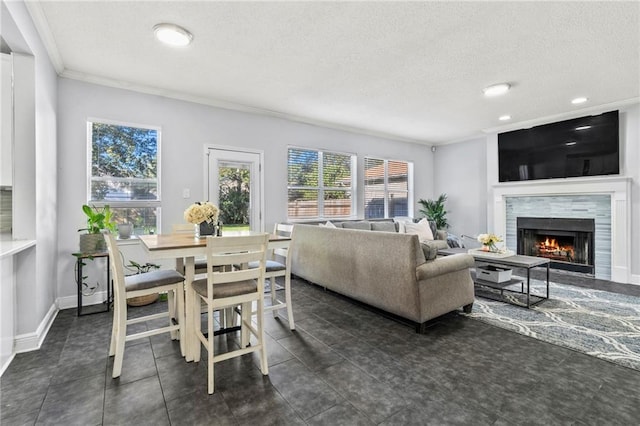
{"points": [[619, 189]]}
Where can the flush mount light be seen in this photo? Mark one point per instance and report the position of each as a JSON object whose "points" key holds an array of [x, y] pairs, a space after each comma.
{"points": [[579, 100], [504, 118], [583, 127], [496, 89], [570, 143], [172, 35]]}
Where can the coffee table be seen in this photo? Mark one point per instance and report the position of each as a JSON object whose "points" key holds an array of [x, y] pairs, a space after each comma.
{"points": [[516, 261]]}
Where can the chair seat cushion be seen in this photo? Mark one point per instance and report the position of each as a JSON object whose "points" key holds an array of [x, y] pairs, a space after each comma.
{"points": [[272, 266], [225, 289], [152, 279]]}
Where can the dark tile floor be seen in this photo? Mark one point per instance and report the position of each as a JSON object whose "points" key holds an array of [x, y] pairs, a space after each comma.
{"points": [[345, 365]]}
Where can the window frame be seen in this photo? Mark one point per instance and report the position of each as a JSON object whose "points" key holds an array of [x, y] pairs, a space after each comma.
{"points": [[321, 188], [409, 191], [157, 203]]}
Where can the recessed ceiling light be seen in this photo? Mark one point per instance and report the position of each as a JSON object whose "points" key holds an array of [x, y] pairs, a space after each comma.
{"points": [[504, 118], [496, 89], [579, 100], [172, 35], [583, 127]]}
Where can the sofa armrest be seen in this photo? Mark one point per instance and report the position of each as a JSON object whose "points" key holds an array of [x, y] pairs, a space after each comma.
{"points": [[444, 265]]}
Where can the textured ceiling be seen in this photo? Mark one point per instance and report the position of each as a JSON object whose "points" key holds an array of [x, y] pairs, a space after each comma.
{"points": [[410, 70]]}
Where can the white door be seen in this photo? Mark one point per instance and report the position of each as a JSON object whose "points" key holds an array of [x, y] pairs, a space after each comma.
{"points": [[234, 182]]}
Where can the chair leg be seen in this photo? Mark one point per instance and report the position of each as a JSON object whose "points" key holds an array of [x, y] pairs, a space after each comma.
{"points": [[121, 318], [287, 299], [264, 367], [274, 300], [210, 338], [114, 329], [245, 320], [181, 318], [171, 303]]}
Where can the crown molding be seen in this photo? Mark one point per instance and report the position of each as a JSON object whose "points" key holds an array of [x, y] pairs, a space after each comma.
{"points": [[598, 109], [218, 103], [42, 26]]}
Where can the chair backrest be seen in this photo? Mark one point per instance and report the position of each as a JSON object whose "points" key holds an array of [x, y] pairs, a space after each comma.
{"points": [[117, 267], [234, 250], [284, 230], [183, 228]]}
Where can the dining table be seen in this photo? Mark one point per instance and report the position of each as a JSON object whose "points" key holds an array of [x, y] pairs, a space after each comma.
{"points": [[185, 248]]}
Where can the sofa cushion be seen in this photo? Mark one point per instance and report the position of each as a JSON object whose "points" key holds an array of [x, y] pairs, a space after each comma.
{"points": [[365, 225], [421, 229], [383, 226]]}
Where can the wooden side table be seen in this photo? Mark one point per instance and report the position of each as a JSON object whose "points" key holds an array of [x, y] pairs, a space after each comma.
{"points": [[80, 258]]}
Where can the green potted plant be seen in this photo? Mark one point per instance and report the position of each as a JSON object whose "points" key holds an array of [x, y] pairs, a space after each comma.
{"points": [[434, 210], [98, 219]]}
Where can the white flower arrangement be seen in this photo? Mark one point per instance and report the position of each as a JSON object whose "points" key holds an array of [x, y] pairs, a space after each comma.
{"points": [[489, 239], [201, 212]]}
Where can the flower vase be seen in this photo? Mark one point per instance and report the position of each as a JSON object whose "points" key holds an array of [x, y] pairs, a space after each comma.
{"points": [[205, 228], [491, 248]]}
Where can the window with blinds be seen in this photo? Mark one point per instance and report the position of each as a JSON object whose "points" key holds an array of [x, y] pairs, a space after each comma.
{"points": [[386, 188], [320, 184]]}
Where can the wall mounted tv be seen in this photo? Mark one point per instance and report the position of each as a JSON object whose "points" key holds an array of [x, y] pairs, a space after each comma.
{"points": [[586, 146]]}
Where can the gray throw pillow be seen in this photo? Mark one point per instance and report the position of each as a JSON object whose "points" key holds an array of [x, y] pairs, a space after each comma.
{"points": [[430, 250], [434, 229]]}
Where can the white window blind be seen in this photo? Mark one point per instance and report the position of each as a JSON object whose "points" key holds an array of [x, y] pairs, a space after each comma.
{"points": [[320, 184], [386, 188]]}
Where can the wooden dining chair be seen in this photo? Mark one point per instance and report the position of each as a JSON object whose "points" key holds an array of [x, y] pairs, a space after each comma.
{"points": [[143, 284], [225, 288], [275, 269]]}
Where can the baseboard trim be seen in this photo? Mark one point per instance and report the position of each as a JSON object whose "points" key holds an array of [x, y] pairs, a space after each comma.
{"points": [[70, 302], [6, 364], [635, 279], [32, 341]]}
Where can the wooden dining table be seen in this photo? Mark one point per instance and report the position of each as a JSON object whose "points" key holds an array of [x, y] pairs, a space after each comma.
{"points": [[185, 248]]}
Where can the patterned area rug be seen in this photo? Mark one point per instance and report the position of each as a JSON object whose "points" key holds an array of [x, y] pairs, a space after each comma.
{"points": [[598, 323]]}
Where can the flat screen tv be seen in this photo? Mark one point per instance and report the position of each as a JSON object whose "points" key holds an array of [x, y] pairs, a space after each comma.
{"points": [[586, 146]]}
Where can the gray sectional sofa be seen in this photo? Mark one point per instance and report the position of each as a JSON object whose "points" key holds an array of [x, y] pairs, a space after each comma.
{"points": [[387, 270]]}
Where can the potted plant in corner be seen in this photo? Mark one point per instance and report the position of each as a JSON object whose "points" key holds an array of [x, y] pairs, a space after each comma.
{"points": [[434, 210], [98, 219]]}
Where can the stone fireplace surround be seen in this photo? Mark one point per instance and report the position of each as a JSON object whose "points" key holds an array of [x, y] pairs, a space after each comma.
{"points": [[613, 256]]}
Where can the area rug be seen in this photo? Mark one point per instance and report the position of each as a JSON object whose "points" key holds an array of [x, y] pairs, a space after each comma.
{"points": [[598, 323]]}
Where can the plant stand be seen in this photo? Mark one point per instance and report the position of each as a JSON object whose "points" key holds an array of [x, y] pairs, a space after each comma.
{"points": [[80, 258]]}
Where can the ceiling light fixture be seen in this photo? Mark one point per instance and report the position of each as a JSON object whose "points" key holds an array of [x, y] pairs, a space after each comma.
{"points": [[579, 100], [583, 127], [496, 89], [571, 143], [172, 35], [504, 118]]}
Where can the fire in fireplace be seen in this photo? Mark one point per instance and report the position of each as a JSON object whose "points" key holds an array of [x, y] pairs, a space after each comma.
{"points": [[567, 242]]}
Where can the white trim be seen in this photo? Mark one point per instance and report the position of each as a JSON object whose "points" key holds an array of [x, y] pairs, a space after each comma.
{"points": [[32, 341], [635, 279], [70, 302], [7, 363], [42, 26]]}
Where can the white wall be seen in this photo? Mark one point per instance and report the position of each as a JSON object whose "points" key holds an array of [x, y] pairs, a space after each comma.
{"points": [[186, 129], [35, 197], [459, 172], [479, 172]]}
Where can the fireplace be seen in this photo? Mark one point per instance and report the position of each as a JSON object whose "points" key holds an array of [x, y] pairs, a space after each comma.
{"points": [[566, 242]]}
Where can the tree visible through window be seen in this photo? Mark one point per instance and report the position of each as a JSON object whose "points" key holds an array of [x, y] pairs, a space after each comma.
{"points": [[319, 184], [386, 188], [124, 173]]}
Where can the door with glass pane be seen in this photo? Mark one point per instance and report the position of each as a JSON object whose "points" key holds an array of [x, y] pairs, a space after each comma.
{"points": [[235, 186]]}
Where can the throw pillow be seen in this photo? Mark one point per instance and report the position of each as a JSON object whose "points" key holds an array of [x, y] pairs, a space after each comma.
{"points": [[329, 225], [383, 226], [430, 251], [421, 229]]}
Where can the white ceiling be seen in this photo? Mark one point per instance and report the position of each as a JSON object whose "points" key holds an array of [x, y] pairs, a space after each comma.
{"points": [[410, 70]]}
